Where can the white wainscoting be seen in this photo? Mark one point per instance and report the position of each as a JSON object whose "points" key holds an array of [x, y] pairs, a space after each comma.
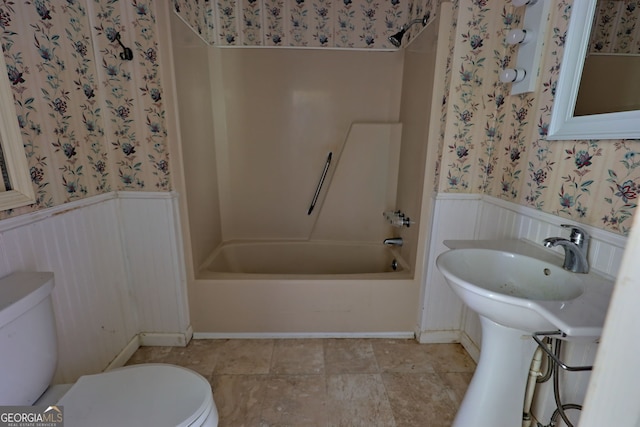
{"points": [[155, 263], [472, 216], [442, 311], [444, 317], [118, 273]]}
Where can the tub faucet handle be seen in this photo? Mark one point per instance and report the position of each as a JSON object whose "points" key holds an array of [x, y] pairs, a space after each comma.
{"points": [[397, 219]]}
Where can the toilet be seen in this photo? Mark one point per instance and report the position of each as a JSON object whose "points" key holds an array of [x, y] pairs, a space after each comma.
{"points": [[138, 395]]}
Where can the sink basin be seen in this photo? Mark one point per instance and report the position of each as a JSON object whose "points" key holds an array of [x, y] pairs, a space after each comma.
{"points": [[527, 293], [503, 286], [516, 295], [512, 275]]}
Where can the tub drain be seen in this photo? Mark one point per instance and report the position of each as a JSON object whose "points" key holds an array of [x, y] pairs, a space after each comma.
{"points": [[394, 264]]}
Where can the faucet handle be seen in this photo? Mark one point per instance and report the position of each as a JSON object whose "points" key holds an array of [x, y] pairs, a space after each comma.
{"points": [[578, 235]]}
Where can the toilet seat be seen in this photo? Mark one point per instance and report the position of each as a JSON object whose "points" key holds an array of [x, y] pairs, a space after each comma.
{"points": [[140, 396]]}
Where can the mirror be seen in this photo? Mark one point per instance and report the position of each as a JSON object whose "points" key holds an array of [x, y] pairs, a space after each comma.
{"points": [[16, 188], [565, 124]]}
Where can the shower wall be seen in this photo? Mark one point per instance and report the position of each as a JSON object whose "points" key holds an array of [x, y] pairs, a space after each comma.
{"points": [[279, 112], [193, 85], [422, 94], [257, 126]]}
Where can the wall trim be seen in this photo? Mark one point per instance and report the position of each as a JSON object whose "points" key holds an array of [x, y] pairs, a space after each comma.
{"points": [[125, 354], [299, 335], [174, 339], [470, 346], [146, 194], [350, 49], [438, 337], [458, 196], [42, 214], [147, 339]]}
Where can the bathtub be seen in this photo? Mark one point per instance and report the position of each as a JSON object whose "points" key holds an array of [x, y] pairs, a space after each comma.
{"points": [[304, 259], [303, 289]]}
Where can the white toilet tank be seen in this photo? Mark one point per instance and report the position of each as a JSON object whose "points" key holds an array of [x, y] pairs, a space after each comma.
{"points": [[28, 342]]}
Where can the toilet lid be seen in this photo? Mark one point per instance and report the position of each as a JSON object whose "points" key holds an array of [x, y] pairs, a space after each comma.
{"points": [[139, 395]]}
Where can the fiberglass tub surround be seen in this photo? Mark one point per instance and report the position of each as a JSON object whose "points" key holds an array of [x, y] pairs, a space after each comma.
{"points": [[328, 238], [263, 260], [341, 277], [287, 268]]}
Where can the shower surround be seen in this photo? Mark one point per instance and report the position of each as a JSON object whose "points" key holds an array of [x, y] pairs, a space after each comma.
{"points": [[254, 146]]}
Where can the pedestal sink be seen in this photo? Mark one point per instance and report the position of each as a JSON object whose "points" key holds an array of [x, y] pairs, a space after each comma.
{"points": [[516, 295]]}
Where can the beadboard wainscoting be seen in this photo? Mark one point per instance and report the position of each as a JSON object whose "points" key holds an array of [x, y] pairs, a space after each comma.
{"points": [[474, 216], [152, 240], [119, 275], [444, 318]]}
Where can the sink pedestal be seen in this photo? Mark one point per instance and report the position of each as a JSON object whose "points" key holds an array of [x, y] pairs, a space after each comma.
{"points": [[495, 396]]}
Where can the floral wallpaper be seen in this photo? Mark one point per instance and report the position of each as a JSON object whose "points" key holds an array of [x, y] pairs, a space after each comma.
{"points": [[616, 27], [302, 23], [495, 143], [94, 123], [91, 122]]}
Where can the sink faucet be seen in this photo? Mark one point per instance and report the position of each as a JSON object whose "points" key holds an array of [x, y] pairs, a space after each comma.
{"points": [[393, 241], [575, 249]]}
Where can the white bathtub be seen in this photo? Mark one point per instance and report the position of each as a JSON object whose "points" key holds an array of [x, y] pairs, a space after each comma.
{"points": [[293, 288], [304, 259]]}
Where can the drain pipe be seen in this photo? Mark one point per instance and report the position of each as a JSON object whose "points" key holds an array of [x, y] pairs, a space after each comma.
{"points": [[534, 374]]}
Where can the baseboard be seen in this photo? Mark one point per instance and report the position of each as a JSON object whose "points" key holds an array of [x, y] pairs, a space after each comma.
{"points": [[470, 346], [125, 354], [301, 335], [176, 339], [438, 337], [149, 339]]}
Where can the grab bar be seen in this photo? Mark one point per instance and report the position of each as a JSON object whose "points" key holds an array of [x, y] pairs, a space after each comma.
{"points": [[319, 187]]}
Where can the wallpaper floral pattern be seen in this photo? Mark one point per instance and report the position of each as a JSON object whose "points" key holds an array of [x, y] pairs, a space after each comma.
{"points": [[616, 27], [495, 143], [91, 122], [302, 23]]}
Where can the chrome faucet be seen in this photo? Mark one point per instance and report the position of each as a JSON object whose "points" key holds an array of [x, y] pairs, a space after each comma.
{"points": [[575, 249], [394, 241]]}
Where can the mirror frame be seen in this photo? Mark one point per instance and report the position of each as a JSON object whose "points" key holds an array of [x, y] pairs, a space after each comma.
{"points": [[15, 157], [563, 125]]}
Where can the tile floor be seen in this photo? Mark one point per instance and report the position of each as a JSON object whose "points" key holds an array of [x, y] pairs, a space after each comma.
{"points": [[326, 382]]}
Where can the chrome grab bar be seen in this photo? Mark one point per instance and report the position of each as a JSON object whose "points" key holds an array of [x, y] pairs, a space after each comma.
{"points": [[319, 187]]}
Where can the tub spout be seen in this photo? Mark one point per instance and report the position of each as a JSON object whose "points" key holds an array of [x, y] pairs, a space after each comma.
{"points": [[393, 241]]}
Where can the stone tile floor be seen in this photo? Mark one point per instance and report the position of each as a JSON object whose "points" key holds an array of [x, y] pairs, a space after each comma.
{"points": [[326, 382]]}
